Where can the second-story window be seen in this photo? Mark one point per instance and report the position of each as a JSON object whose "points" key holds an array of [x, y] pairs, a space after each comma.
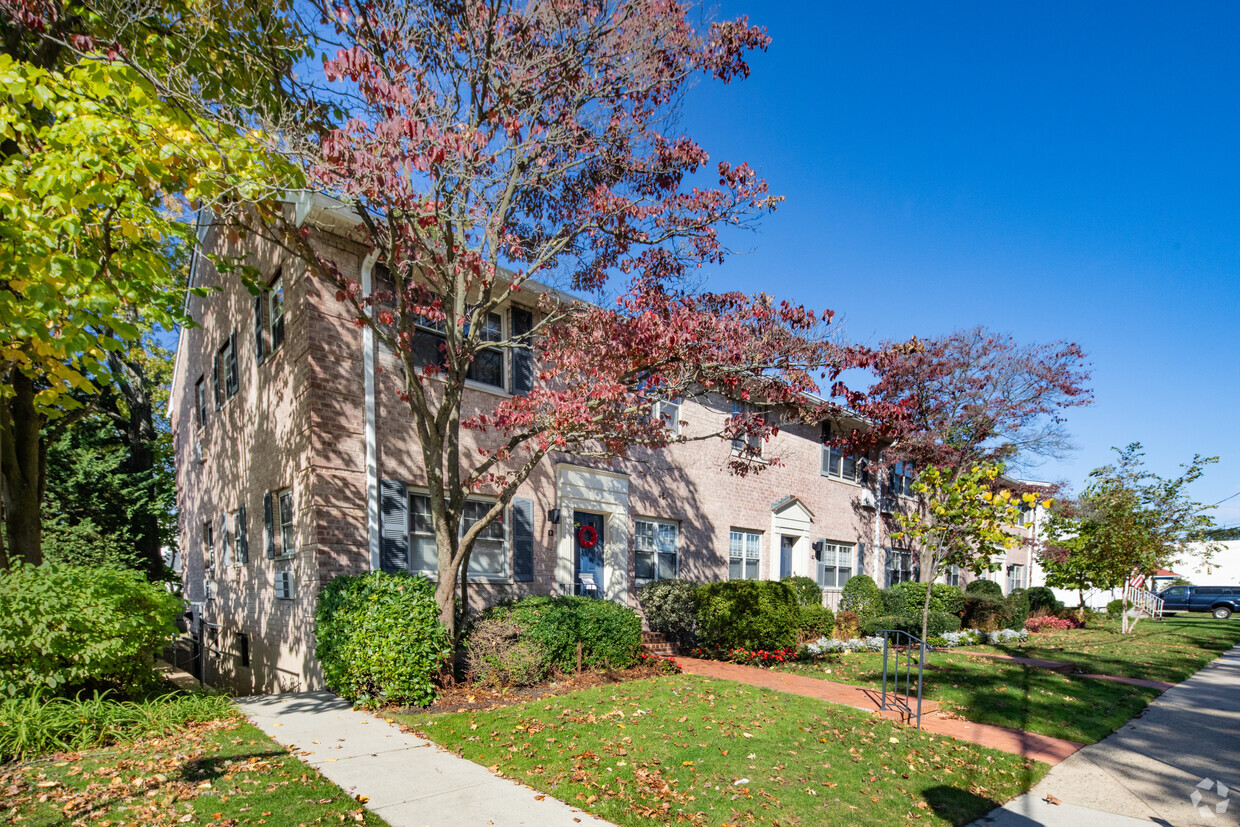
{"points": [[488, 365], [275, 311], [284, 522], [834, 462], [900, 480], [754, 441], [208, 549], [226, 371], [200, 400], [668, 411]]}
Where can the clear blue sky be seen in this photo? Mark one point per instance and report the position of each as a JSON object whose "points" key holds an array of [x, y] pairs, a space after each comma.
{"points": [[1052, 170]]}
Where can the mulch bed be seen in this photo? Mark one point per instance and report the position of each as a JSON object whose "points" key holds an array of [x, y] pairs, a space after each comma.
{"points": [[465, 698]]}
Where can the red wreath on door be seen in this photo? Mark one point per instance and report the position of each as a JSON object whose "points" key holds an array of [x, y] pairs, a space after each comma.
{"points": [[587, 536]]}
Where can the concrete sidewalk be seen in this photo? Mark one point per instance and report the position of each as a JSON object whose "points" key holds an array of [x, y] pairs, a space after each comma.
{"points": [[1148, 771], [409, 781]]}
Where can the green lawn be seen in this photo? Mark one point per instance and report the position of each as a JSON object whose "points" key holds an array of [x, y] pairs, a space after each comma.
{"points": [[1162, 650], [990, 691], [702, 751], [224, 772], [1061, 705]]}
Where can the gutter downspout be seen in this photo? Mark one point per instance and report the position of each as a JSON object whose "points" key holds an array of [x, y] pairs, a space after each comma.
{"points": [[372, 452]]}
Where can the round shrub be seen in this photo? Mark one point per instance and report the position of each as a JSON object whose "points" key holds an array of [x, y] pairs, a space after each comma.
{"points": [[847, 625], [984, 611], [1017, 610], [893, 602], [816, 622], [911, 597], [66, 628], [861, 597], [748, 614], [1042, 598], [500, 655], [1115, 608], [988, 587], [380, 639], [808, 592], [670, 607], [610, 634]]}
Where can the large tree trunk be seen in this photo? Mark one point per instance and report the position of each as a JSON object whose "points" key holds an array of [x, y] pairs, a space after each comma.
{"points": [[21, 480]]}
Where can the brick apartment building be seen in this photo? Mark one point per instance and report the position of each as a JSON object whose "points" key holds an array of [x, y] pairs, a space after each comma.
{"points": [[296, 462]]}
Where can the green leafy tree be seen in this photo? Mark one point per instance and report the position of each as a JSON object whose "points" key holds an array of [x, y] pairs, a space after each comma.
{"points": [[1130, 521], [963, 521]]}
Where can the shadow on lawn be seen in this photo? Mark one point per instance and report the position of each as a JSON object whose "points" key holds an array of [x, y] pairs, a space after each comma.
{"points": [[962, 807]]}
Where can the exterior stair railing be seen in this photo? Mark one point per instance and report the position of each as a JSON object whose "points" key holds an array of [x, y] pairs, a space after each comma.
{"points": [[1144, 601], [898, 650]]}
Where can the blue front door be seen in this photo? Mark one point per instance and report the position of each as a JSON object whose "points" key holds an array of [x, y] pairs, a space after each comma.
{"points": [[588, 540], [785, 556]]}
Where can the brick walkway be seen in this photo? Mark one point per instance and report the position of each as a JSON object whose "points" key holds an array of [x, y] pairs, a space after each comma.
{"points": [[1025, 744]]}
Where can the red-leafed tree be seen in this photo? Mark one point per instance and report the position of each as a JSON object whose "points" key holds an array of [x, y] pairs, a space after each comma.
{"points": [[492, 143], [973, 398]]}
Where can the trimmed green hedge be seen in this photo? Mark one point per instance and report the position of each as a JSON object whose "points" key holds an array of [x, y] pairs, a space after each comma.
{"points": [[748, 614], [862, 597], [816, 622], [64, 628], [610, 634], [910, 597], [670, 607], [380, 639], [807, 590], [988, 587], [937, 625], [1040, 597], [1115, 608]]}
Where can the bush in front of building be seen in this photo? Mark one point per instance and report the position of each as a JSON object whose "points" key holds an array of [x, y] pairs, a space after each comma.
{"points": [[847, 625], [1042, 599], [910, 598], [862, 597], [987, 587], [815, 622], [808, 592], [937, 625], [748, 614], [500, 655], [1115, 608], [670, 607], [66, 628], [984, 611], [610, 634], [379, 638], [1017, 609]]}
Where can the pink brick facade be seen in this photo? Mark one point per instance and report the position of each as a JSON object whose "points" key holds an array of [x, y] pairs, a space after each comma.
{"points": [[298, 422]]}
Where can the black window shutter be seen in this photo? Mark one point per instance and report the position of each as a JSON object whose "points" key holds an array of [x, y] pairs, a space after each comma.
{"points": [[243, 544], [521, 321], [232, 363], [393, 526], [259, 352], [269, 529], [215, 379], [522, 540]]}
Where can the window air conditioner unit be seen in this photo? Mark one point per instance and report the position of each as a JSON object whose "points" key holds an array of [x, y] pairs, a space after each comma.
{"points": [[867, 499], [888, 504], [200, 453], [284, 585], [208, 589]]}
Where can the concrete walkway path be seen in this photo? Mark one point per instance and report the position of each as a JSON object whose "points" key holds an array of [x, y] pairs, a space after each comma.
{"points": [[1025, 744], [408, 781], [1187, 741]]}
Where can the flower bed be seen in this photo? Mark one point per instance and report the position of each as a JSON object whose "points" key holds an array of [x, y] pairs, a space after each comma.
{"points": [[667, 666], [750, 657], [1051, 623]]}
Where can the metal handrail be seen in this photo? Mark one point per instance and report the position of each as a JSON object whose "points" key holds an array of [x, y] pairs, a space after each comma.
{"points": [[905, 641]]}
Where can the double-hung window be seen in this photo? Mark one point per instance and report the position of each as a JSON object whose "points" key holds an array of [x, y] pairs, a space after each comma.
{"points": [[901, 479], [951, 575], [900, 566], [489, 556], [754, 441], [275, 311], [1015, 577], [744, 552], [836, 565], [488, 365], [834, 462], [284, 522], [226, 548], [668, 411], [208, 548], [654, 550], [422, 556], [200, 399]]}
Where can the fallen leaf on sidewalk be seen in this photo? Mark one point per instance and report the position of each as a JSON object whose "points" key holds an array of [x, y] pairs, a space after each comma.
{"points": [[1050, 799]]}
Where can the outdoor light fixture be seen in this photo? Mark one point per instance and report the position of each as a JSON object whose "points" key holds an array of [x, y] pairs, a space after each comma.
{"points": [[553, 516]]}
